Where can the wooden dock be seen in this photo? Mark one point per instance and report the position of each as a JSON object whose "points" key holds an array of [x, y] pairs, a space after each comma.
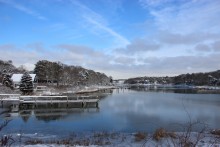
{"points": [[12, 98], [35, 100]]}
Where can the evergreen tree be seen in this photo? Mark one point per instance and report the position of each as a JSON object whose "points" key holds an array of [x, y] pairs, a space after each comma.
{"points": [[26, 85], [110, 79], [41, 70], [7, 81], [57, 71]]}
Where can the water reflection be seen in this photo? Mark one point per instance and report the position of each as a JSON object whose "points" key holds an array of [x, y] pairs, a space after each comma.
{"points": [[170, 89], [150, 109], [48, 112], [54, 111], [127, 110]]}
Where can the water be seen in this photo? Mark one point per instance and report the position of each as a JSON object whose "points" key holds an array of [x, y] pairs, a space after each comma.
{"points": [[121, 111]]}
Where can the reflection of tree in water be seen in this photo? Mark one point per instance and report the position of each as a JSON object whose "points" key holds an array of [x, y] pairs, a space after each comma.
{"points": [[25, 115], [6, 140], [48, 117], [162, 89], [106, 91], [101, 94], [53, 112], [50, 112]]}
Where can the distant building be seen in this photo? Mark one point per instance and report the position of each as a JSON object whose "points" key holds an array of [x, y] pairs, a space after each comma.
{"points": [[119, 81], [16, 78]]}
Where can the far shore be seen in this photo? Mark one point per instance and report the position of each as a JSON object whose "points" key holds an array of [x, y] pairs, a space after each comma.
{"points": [[54, 90]]}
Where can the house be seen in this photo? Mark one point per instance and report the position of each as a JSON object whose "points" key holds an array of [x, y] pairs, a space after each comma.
{"points": [[16, 78]]}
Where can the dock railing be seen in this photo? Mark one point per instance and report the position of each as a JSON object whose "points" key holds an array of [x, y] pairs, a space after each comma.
{"points": [[34, 99], [55, 99], [9, 96]]}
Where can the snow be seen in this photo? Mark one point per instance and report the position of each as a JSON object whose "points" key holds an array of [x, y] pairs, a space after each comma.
{"points": [[122, 140], [17, 77]]}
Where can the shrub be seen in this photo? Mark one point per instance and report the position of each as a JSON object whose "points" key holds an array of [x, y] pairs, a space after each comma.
{"points": [[140, 136], [162, 133]]}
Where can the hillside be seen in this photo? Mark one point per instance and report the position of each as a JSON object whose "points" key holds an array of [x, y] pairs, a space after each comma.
{"points": [[208, 78], [57, 73], [61, 74]]}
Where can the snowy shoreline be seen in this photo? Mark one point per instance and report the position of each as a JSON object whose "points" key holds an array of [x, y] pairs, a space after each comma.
{"points": [[110, 139], [97, 88]]}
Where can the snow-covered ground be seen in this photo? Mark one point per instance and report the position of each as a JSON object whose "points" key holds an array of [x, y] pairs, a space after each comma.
{"points": [[120, 140]]}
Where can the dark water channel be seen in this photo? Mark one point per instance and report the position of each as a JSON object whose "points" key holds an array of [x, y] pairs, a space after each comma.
{"points": [[121, 110]]}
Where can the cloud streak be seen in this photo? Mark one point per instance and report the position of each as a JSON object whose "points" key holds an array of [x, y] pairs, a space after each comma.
{"points": [[100, 23], [23, 9]]}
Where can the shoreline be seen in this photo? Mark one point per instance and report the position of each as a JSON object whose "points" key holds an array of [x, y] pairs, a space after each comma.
{"points": [[53, 90], [160, 137], [166, 138]]}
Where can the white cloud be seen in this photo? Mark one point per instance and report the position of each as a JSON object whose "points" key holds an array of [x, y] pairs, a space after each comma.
{"points": [[29, 66], [185, 16], [19, 56], [202, 48], [118, 67], [77, 49], [216, 46], [124, 60], [138, 46], [185, 39]]}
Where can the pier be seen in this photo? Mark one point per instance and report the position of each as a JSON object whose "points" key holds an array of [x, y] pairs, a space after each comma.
{"points": [[24, 101]]}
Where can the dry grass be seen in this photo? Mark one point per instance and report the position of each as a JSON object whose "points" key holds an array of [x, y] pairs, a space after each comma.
{"points": [[215, 132], [33, 142], [140, 136], [99, 139], [162, 133]]}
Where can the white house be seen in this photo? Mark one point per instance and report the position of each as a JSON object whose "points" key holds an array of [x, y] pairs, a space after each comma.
{"points": [[16, 78]]}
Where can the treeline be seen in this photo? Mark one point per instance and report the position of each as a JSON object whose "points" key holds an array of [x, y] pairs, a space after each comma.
{"points": [[149, 80], [7, 66], [61, 74], [209, 78], [57, 73]]}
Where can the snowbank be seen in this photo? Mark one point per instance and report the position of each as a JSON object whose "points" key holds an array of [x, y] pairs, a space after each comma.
{"points": [[124, 139]]}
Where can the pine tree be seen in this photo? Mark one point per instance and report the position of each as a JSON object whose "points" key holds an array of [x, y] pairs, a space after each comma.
{"points": [[26, 85], [7, 81]]}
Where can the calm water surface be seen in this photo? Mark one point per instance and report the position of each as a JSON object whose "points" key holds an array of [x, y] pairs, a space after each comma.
{"points": [[122, 110]]}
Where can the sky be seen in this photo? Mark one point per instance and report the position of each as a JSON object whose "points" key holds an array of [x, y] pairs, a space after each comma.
{"points": [[121, 38]]}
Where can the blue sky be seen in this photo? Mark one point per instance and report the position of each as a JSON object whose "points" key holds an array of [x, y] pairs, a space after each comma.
{"points": [[122, 38]]}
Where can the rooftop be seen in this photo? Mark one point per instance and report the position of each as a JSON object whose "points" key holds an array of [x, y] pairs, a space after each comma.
{"points": [[17, 77]]}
